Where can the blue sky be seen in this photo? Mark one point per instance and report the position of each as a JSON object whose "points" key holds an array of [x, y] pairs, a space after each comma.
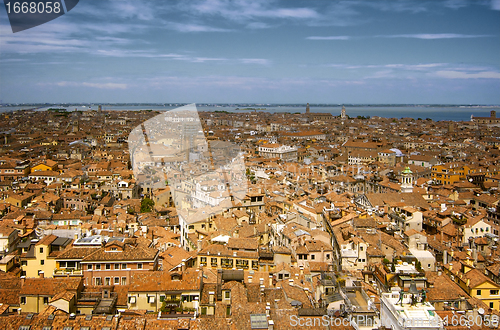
{"points": [[257, 51]]}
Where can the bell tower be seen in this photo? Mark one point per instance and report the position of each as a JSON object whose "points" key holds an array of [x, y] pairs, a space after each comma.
{"points": [[407, 180]]}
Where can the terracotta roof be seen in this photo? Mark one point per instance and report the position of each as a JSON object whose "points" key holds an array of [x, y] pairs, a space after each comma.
{"points": [[129, 252], [49, 286], [161, 281]]}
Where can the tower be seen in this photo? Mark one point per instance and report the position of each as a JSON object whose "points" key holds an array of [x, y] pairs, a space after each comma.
{"points": [[342, 114], [407, 180], [451, 127], [307, 108]]}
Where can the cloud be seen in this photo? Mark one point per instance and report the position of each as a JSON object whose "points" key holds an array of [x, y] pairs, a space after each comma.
{"points": [[93, 85], [260, 61], [432, 36], [329, 38], [409, 67], [397, 6], [248, 10], [495, 4], [188, 27], [179, 57], [466, 75], [456, 4], [258, 25]]}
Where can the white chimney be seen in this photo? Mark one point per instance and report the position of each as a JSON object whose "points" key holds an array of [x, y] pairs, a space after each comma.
{"points": [[443, 207]]}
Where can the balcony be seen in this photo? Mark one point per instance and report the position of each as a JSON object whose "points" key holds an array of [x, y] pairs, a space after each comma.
{"points": [[67, 272]]}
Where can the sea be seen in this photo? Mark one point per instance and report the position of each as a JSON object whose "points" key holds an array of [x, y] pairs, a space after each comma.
{"points": [[434, 112]]}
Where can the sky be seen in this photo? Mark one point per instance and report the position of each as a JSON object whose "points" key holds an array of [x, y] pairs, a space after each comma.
{"points": [[260, 51]]}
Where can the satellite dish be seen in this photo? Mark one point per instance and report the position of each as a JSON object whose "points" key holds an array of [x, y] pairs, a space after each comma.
{"points": [[480, 311]]}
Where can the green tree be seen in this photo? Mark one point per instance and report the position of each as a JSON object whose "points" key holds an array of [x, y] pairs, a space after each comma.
{"points": [[147, 205]]}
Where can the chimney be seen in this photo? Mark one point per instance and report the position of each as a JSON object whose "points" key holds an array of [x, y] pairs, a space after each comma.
{"points": [[270, 280], [23, 278], [270, 325], [211, 297], [199, 245], [183, 265], [451, 267], [41, 274], [249, 278], [301, 270]]}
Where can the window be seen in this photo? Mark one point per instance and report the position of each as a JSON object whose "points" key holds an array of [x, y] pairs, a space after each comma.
{"points": [[327, 256], [131, 300], [23, 300], [203, 311], [108, 266], [255, 265], [203, 261], [42, 262], [139, 266], [162, 298], [117, 280], [494, 292], [124, 281], [98, 267], [228, 311], [107, 281], [124, 266], [492, 304], [478, 292], [241, 263], [313, 257], [41, 250], [361, 248], [45, 300], [227, 263], [213, 262], [89, 267], [98, 281], [151, 299], [227, 294], [117, 266], [191, 227]]}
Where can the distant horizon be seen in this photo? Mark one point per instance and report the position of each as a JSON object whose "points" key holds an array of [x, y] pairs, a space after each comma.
{"points": [[256, 104]]}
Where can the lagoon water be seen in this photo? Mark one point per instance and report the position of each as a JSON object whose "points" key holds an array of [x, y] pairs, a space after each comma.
{"points": [[454, 113]]}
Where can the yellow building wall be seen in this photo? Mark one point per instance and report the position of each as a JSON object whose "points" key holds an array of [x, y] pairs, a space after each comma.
{"points": [[34, 304], [208, 262], [486, 296], [35, 265], [41, 167]]}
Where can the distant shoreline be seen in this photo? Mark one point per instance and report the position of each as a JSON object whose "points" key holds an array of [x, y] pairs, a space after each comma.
{"points": [[461, 112]]}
